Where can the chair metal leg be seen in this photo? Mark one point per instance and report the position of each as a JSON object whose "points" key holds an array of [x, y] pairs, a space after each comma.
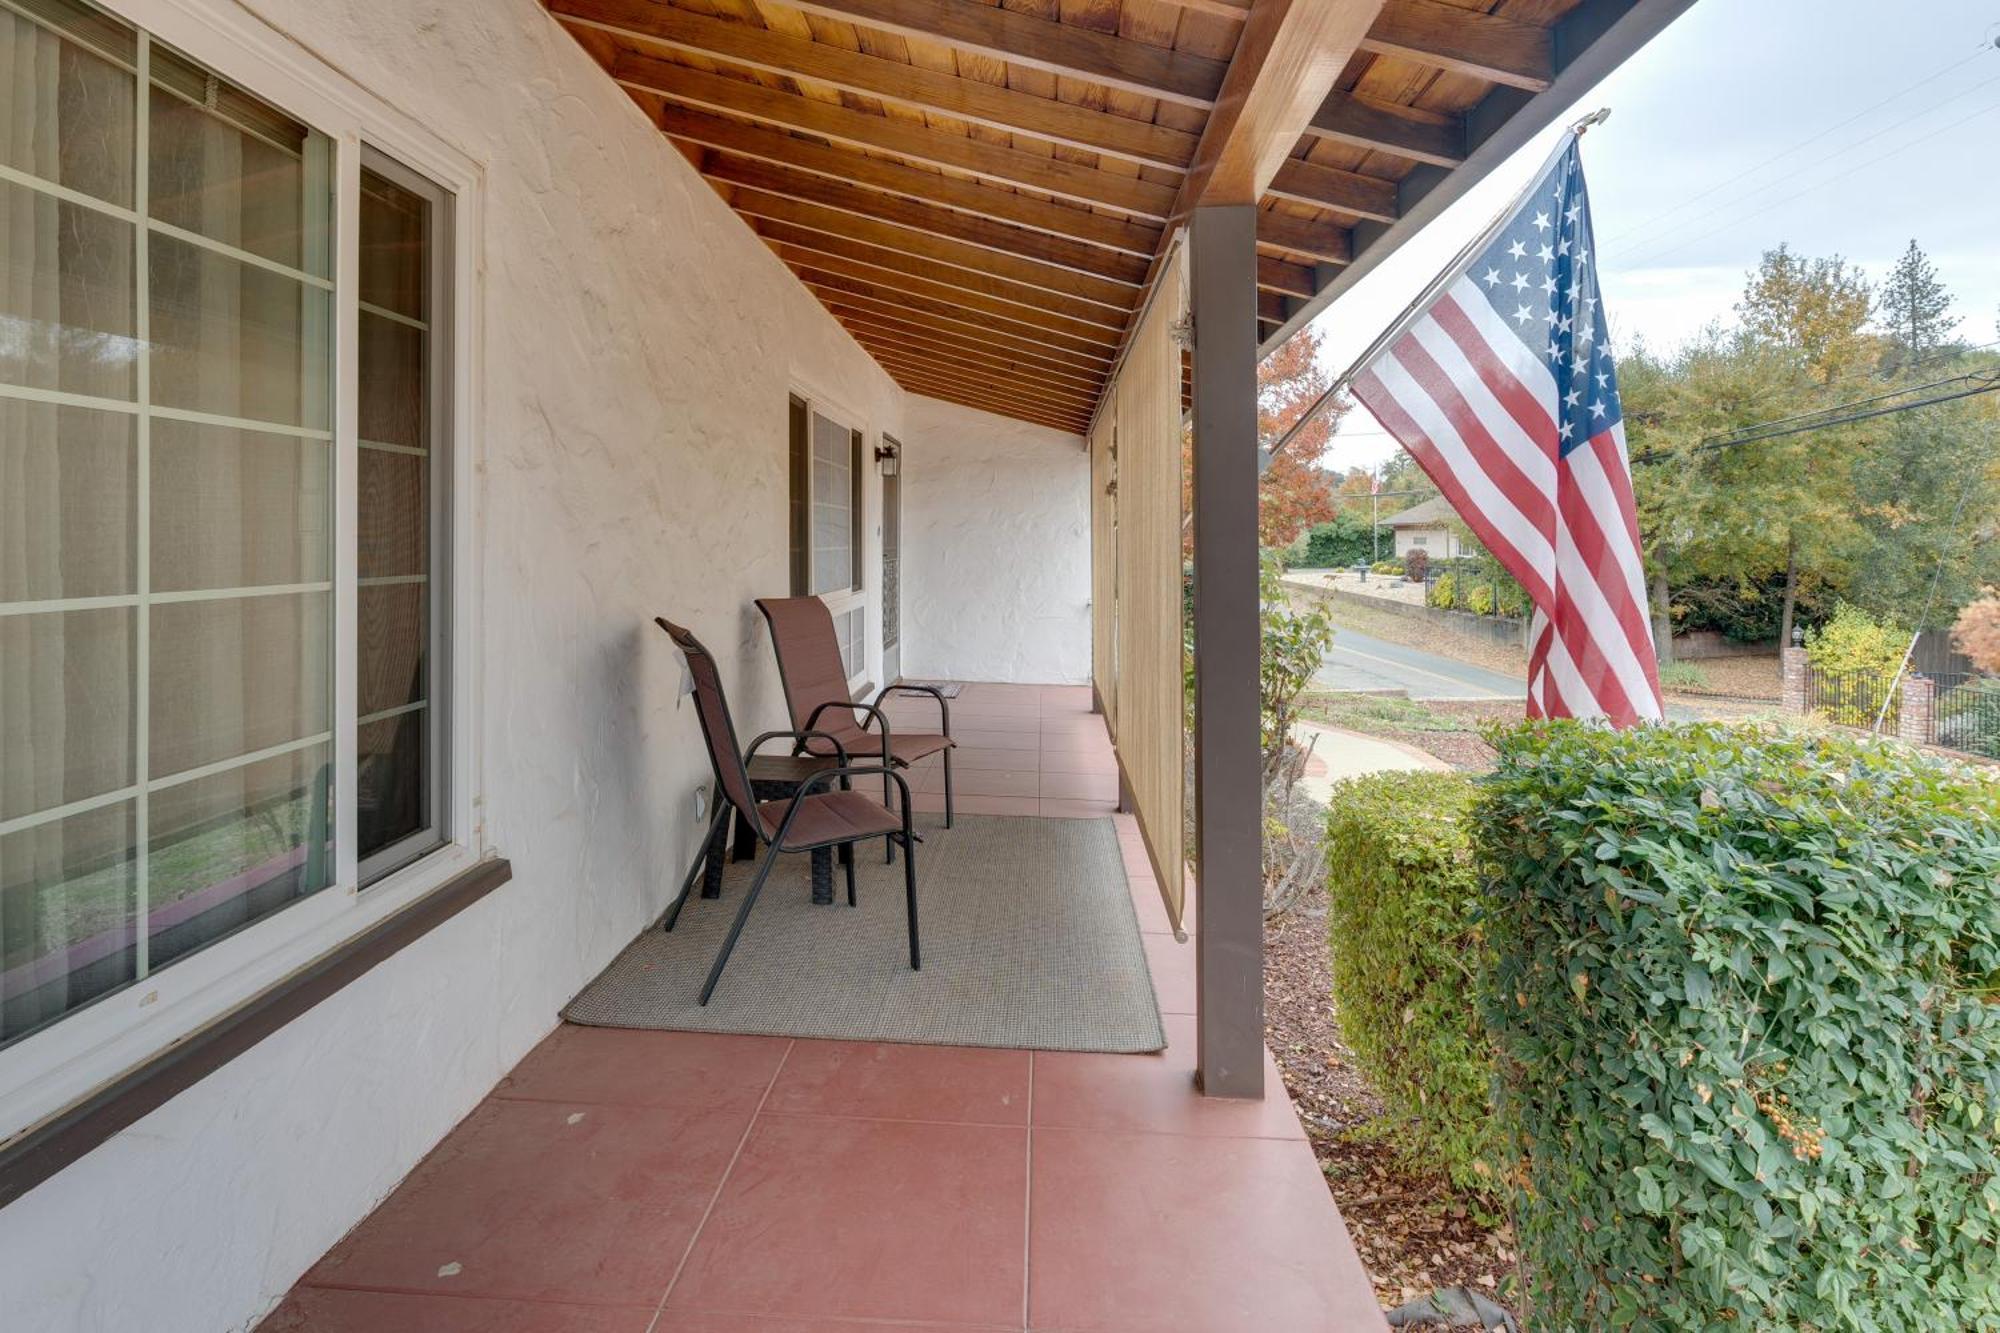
{"points": [[736, 927], [888, 803], [701, 859], [947, 786], [847, 861], [910, 896]]}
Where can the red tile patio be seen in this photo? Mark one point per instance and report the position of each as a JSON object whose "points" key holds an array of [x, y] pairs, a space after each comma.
{"points": [[671, 1182]]}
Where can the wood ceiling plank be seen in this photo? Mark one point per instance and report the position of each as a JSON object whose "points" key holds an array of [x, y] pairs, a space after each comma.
{"points": [[1487, 46], [1059, 48], [938, 249], [920, 143], [895, 267], [971, 100], [1344, 191], [972, 229], [780, 147], [1287, 60], [1405, 132], [1069, 335]]}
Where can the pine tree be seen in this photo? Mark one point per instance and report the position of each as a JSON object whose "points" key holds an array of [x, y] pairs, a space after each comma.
{"points": [[1915, 308]]}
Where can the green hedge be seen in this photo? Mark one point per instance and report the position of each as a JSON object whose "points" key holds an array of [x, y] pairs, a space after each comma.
{"points": [[1400, 924], [1744, 1011]]}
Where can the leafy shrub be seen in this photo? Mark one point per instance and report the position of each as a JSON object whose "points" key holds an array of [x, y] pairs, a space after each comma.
{"points": [[1342, 541], [1444, 592], [1416, 564], [1400, 922], [1682, 676], [1976, 633], [1742, 999], [1386, 567], [1513, 599], [1479, 599], [1853, 640]]}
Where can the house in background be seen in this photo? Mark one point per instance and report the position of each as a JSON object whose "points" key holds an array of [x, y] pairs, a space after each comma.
{"points": [[373, 372], [1426, 527]]}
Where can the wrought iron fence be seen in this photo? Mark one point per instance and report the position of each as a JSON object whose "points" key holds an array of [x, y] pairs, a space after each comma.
{"points": [[1852, 698], [1967, 714], [1965, 710]]}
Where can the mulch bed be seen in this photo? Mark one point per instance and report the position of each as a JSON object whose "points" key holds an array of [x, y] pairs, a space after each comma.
{"points": [[1414, 1232]]}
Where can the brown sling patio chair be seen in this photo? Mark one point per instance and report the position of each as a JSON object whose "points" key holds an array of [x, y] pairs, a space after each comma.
{"points": [[809, 820], [816, 691]]}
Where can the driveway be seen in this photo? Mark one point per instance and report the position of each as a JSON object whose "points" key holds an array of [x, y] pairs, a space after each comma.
{"points": [[1359, 663]]}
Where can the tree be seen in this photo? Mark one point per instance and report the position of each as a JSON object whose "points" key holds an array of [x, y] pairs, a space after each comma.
{"points": [[1817, 309], [1915, 308], [1295, 491], [1977, 633]]}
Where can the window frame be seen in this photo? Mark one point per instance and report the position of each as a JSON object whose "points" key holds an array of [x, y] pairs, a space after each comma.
{"points": [[855, 597], [49, 1069]]}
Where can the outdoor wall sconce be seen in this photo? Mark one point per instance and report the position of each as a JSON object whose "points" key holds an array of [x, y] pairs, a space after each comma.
{"points": [[887, 459]]}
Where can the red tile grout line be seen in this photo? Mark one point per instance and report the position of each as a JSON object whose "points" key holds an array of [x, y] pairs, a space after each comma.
{"points": [[1028, 1197], [720, 1185]]}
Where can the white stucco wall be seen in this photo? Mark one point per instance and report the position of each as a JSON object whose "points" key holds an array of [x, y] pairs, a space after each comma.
{"points": [[639, 343], [996, 548], [1440, 543]]}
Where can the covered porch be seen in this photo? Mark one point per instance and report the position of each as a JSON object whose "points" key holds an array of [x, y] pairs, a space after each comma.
{"points": [[904, 305]]}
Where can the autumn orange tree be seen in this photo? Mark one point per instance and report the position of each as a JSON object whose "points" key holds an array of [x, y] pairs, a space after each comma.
{"points": [[1296, 491]]}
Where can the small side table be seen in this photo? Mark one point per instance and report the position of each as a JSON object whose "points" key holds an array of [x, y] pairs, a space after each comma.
{"points": [[775, 777]]}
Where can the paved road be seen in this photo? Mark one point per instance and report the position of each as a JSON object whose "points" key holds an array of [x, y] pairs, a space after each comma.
{"points": [[1362, 663]]}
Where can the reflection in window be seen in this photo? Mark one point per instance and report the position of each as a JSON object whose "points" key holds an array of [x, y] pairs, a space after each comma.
{"points": [[166, 730], [399, 804]]}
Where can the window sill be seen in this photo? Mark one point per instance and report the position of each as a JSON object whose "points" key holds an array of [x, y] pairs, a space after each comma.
{"points": [[62, 1138]]}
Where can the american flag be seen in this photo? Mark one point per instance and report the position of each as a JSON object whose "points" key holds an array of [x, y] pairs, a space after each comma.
{"points": [[1502, 387]]}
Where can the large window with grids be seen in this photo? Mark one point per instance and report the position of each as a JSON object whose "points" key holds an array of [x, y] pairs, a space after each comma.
{"points": [[170, 557]]}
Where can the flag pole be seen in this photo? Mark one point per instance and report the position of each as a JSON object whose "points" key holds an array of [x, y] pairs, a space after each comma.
{"points": [[1422, 300]]}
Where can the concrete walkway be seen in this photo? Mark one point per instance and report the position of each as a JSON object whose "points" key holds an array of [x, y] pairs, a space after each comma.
{"points": [[1362, 664], [1338, 754]]}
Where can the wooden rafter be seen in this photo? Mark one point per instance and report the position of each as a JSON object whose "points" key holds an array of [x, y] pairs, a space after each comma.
{"points": [[1021, 39], [1346, 192], [960, 283], [1087, 360], [918, 143], [1060, 251], [1029, 321], [650, 22], [1492, 47], [1121, 296], [1402, 131], [948, 332], [1024, 380], [789, 151]]}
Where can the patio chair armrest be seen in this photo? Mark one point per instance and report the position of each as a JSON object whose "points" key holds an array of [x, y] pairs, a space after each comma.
{"points": [[888, 749], [839, 750], [843, 773], [944, 708]]}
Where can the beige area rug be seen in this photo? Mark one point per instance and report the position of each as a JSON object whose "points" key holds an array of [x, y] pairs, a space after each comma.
{"points": [[1030, 941]]}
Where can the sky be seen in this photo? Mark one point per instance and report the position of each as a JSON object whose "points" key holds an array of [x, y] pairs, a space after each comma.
{"points": [[1843, 127]]}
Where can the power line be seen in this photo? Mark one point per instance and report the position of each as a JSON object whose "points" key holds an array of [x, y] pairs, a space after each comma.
{"points": [[1656, 256], [1779, 156], [1795, 425]]}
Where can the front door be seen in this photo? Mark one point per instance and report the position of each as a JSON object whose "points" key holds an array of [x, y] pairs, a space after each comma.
{"points": [[892, 541]]}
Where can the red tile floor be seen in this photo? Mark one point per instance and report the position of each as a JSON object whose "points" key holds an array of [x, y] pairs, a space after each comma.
{"points": [[672, 1182]]}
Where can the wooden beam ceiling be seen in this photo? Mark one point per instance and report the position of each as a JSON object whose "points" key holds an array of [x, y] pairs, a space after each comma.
{"points": [[650, 22], [982, 195], [1059, 48]]}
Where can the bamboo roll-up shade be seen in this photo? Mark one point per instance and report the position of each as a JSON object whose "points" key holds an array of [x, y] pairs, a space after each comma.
{"points": [[1147, 412], [1104, 568]]}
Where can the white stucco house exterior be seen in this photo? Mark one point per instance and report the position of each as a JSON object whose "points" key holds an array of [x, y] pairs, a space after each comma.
{"points": [[1425, 527]]}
